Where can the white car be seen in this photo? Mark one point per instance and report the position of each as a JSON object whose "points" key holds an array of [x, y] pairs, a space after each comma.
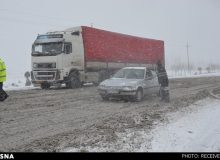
{"points": [[130, 82]]}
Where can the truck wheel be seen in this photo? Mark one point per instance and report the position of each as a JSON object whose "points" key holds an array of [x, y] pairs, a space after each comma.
{"points": [[45, 86], [139, 95], [73, 81]]}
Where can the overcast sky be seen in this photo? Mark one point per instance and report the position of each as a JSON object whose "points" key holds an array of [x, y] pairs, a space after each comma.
{"points": [[174, 21]]}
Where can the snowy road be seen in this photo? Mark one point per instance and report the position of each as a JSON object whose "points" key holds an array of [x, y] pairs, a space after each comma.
{"points": [[196, 129], [78, 120]]}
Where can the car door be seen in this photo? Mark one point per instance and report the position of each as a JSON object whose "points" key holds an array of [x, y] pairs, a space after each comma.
{"points": [[148, 83]]}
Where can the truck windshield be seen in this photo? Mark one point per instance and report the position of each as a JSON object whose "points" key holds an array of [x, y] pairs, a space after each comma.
{"points": [[47, 49], [130, 74]]}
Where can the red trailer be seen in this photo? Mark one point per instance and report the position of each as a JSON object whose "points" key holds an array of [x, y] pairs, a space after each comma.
{"points": [[111, 47]]}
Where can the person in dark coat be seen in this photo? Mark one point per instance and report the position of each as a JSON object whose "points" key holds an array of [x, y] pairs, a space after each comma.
{"points": [[163, 81]]}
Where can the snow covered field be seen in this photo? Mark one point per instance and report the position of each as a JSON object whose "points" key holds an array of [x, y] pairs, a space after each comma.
{"points": [[187, 75]]}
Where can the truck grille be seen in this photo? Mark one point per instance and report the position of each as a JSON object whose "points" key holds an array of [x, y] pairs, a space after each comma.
{"points": [[45, 65], [44, 75]]}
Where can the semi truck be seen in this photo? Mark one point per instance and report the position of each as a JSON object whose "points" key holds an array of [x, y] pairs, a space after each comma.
{"points": [[85, 54]]}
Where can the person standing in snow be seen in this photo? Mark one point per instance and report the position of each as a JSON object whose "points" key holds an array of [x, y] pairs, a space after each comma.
{"points": [[163, 81], [3, 94]]}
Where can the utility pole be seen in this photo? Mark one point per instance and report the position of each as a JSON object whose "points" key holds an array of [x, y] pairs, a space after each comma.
{"points": [[187, 51]]}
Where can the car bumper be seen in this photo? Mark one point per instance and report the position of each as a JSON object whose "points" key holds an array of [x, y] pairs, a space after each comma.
{"points": [[116, 92]]}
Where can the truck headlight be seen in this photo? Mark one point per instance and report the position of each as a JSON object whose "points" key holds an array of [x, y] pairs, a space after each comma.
{"points": [[35, 65]]}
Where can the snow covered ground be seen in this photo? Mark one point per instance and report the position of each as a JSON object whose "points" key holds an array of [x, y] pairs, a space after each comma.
{"points": [[16, 82], [196, 129], [193, 129]]}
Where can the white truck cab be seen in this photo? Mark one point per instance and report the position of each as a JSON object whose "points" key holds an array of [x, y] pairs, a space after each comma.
{"points": [[58, 57]]}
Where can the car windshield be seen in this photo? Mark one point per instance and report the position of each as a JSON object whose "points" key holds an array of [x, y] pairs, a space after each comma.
{"points": [[130, 73], [47, 49]]}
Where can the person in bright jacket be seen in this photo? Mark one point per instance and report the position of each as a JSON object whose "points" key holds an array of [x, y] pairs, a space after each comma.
{"points": [[3, 94]]}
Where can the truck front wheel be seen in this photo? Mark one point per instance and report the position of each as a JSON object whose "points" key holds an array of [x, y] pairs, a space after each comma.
{"points": [[73, 80]]}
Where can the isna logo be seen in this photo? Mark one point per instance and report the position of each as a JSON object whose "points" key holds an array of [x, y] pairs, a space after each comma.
{"points": [[6, 156]]}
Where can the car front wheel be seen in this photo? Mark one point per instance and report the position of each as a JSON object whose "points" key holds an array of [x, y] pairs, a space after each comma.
{"points": [[139, 95]]}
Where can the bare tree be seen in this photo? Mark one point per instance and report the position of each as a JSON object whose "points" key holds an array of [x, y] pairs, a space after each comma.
{"points": [[181, 68], [208, 69], [214, 67]]}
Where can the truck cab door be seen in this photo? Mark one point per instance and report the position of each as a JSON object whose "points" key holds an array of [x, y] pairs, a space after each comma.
{"points": [[67, 57]]}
